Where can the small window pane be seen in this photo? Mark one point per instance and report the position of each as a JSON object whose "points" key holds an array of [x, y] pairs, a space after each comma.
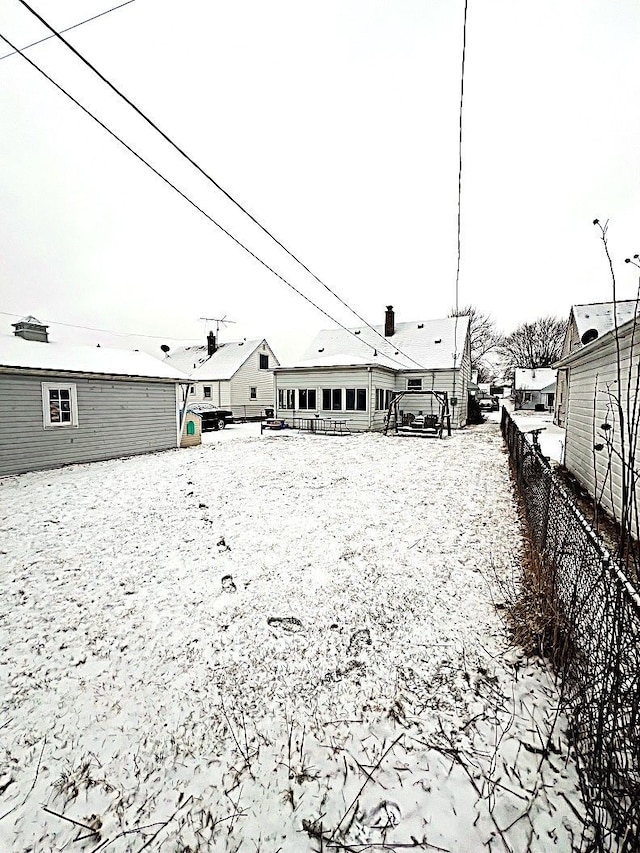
{"points": [[350, 399], [326, 399], [336, 399], [311, 399], [361, 399]]}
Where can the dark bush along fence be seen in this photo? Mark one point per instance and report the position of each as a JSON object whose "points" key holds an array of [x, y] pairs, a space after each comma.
{"points": [[599, 612]]}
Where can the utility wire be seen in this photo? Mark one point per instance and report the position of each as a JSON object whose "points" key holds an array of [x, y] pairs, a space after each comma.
{"points": [[464, 51], [183, 153], [191, 202], [459, 229], [66, 29], [105, 331]]}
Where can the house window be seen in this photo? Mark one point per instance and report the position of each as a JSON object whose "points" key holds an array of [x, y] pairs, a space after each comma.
{"points": [[206, 390], [414, 384], [264, 362], [59, 405], [286, 399], [306, 398], [384, 396], [527, 396], [356, 399], [332, 399], [192, 389], [253, 392]]}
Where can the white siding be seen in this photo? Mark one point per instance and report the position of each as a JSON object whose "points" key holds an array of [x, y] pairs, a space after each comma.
{"points": [[456, 383], [593, 385], [235, 393], [251, 375], [338, 378]]}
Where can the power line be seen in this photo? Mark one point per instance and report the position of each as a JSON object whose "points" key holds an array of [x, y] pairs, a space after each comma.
{"points": [[459, 228], [190, 201], [205, 174], [464, 51], [104, 331], [66, 29]]}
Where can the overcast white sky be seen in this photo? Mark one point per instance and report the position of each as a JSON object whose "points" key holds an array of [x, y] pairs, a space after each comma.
{"points": [[336, 124]]}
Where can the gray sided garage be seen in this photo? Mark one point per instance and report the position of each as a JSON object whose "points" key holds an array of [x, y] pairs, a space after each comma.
{"points": [[111, 405]]}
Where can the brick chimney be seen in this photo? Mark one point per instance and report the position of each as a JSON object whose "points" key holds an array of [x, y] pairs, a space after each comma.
{"points": [[389, 322], [31, 329], [211, 343]]}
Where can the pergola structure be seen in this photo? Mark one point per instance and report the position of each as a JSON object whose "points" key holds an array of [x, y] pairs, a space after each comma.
{"points": [[432, 425]]}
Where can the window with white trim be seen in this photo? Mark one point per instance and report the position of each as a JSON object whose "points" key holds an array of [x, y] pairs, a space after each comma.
{"points": [[206, 391], [253, 392], [264, 361], [286, 398], [59, 405], [332, 399], [355, 399], [384, 396], [414, 384], [306, 398]]}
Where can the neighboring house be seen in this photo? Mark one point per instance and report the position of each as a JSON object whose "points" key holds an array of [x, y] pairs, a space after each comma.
{"points": [[353, 375], [587, 323], [534, 388], [64, 404], [237, 376], [597, 385]]}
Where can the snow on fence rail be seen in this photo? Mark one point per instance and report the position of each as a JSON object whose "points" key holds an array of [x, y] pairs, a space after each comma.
{"points": [[599, 670]]}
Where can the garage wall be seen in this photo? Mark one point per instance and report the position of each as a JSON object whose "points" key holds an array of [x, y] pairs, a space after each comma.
{"points": [[115, 418]]}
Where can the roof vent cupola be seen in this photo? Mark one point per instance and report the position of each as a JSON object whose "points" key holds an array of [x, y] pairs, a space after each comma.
{"points": [[31, 329]]}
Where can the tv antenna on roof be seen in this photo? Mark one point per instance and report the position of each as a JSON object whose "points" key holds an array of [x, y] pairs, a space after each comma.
{"points": [[217, 321]]}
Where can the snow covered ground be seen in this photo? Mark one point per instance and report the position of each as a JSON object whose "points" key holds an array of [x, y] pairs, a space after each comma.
{"points": [[274, 643]]}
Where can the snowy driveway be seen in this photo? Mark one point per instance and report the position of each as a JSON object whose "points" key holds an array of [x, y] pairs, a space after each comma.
{"points": [[272, 643]]}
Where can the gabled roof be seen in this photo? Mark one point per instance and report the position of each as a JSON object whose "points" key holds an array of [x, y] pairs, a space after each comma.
{"points": [[534, 379], [600, 315], [199, 366], [15, 352], [583, 353], [428, 345]]}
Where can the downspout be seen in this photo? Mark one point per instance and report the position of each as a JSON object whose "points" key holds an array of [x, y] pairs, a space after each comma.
{"points": [[369, 400], [183, 411]]}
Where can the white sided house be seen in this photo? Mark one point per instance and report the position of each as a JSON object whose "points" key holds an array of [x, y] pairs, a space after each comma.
{"points": [[352, 375], [534, 389], [237, 376], [603, 418], [586, 324], [65, 404]]}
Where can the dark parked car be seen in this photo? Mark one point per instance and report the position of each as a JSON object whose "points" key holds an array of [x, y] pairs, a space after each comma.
{"points": [[488, 404], [212, 416]]}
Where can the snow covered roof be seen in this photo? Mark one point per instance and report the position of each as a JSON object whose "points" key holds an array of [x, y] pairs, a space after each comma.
{"points": [[581, 354], [535, 379], [600, 316], [202, 367], [431, 344], [15, 352]]}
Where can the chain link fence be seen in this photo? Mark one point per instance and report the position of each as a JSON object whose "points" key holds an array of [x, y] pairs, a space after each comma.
{"points": [[597, 612]]}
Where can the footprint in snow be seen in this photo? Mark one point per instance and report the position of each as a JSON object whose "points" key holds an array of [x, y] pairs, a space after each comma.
{"points": [[385, 815], [228, 584], [352, 666], [360, 639], [288, 624]]}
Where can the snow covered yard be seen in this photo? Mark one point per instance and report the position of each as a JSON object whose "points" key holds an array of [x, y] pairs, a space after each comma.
{"points": [[278, 643]]}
